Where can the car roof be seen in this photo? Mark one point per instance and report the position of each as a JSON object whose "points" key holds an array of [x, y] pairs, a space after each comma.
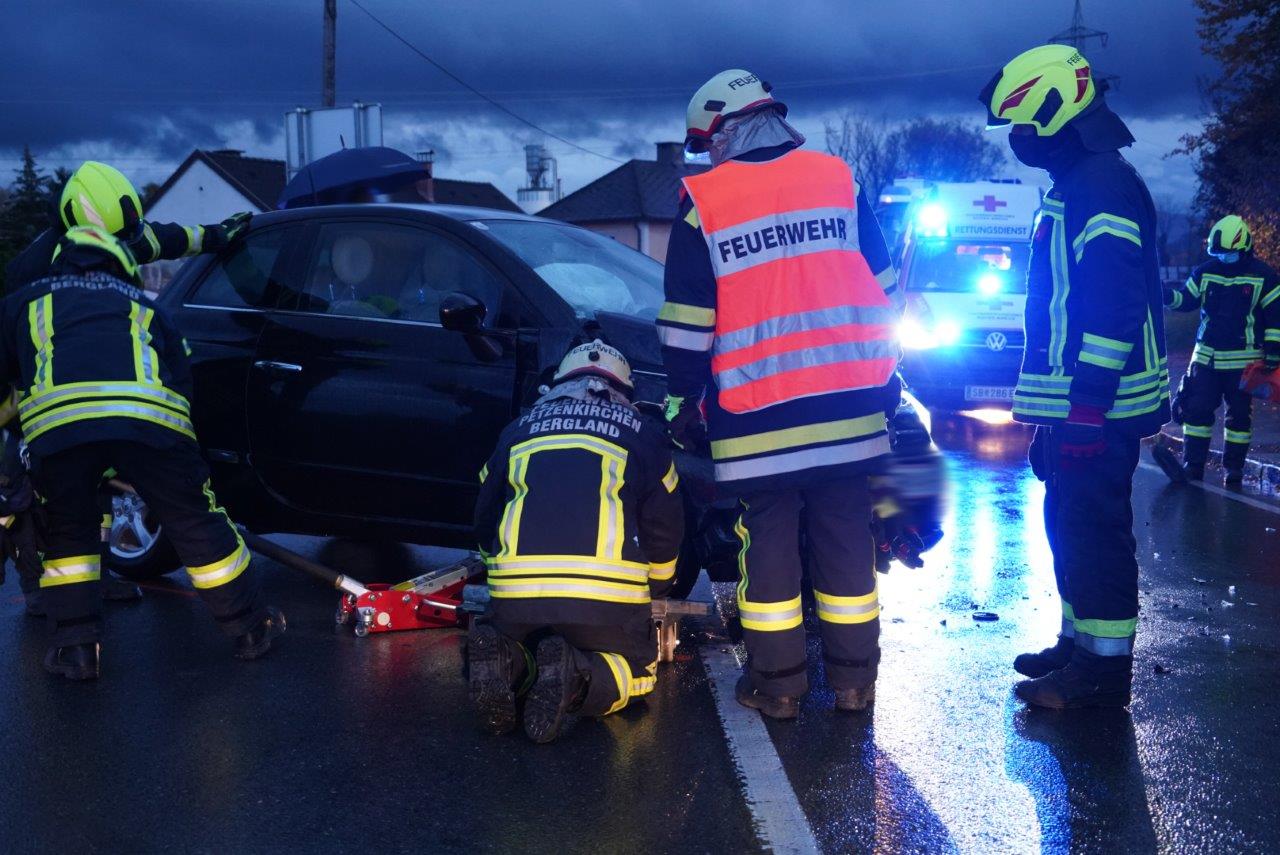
{"points": [[459, 213]]}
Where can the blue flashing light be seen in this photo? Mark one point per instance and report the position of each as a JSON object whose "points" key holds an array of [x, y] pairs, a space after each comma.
{"points": [[931, 221], [990, 284], [915, 335]]}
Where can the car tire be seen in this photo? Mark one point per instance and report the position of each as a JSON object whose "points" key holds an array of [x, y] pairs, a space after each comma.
{"points": [[136, 546], [688, 568]]}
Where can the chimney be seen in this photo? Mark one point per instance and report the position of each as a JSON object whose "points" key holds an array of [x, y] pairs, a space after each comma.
{"points": [[427, 186], [671, 152]]}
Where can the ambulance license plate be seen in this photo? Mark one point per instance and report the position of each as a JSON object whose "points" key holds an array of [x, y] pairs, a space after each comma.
{"points": [[988, 393]]}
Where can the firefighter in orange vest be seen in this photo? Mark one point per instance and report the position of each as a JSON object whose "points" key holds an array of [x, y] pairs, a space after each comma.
{"points": [[779, 318]]}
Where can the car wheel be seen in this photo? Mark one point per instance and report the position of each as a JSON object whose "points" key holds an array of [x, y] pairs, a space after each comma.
{"points": [[136, 547], [688, 567]]}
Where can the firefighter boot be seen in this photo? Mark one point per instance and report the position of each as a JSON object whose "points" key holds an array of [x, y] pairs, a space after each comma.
{"points": [[257, 642], [855, 700], [1195, 451], [117, 590], [496, 665], [782, 709], [1235, 478], [559, 689], [1086, 681], [75, 661], [1047, 661]]}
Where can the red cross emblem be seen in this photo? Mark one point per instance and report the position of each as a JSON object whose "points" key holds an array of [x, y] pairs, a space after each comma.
{"points": [[990, 204]]}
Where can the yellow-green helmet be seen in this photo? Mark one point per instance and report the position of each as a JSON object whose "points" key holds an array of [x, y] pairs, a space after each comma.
{"points": [[85, 248], [1045, 87], [1230, 234], [98, 195]]}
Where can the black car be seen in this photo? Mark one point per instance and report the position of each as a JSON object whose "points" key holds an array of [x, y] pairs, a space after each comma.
{"points": [[355, 364]]}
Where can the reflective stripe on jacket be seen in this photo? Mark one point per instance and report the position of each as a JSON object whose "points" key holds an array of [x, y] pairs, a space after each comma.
{"points": [[799, 312], [94, 359]]}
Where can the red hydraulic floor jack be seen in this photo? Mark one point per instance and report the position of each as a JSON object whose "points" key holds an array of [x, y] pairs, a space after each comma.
{"points": [[428, 601]]}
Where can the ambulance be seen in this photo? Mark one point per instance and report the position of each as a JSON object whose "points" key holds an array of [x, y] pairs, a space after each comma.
{"points": [[964, 273]]}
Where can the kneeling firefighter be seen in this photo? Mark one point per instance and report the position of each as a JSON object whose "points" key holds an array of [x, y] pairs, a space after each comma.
{"points": [[1094, 375], [106, 385], [581, 521], [1238, 297]]}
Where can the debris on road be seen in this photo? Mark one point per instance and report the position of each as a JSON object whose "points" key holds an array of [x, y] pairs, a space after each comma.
{"points": [[985, 616]]}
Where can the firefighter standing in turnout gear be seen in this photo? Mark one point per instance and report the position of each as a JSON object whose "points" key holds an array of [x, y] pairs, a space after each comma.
{"points": [[1239, 301], [105, 384], [98, 195], [780, 311], [1094, 374], [580, 519]]}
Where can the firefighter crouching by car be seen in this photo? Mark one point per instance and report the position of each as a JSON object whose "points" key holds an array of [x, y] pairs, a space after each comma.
{"points": [[1239, 301], [106, 384], [780, 306], [581, 521], [1094, 375]]}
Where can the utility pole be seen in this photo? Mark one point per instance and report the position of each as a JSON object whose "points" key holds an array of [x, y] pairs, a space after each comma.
{"points": [[330, 37], [1078, 35]]}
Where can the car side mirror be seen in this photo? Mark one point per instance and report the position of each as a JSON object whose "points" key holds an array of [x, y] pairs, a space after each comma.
{"points": [[462, 313]]}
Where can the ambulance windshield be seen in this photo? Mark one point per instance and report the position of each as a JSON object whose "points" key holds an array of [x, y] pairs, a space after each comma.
{"points": [[986, 269]]}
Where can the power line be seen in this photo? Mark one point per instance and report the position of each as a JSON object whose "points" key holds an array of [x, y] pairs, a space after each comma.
{"points": [[456, 79]]}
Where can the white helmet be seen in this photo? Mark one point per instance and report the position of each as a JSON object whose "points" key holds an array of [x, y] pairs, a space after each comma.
{"points": [[730, 93], [596, 359]]}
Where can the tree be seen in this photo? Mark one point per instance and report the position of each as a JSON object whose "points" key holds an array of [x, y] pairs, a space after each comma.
{"points": [[1238, 152], [864, 145], [26, 211], [937, 150]]}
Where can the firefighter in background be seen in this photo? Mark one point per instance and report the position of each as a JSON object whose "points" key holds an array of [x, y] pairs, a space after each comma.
{"points": [[780, 311], [1094, 374], [581, 521], [106, 385], [1238, 297], [98, 195]]}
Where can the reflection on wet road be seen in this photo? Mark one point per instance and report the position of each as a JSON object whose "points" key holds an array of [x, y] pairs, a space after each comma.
{"points": [[337, 743]]}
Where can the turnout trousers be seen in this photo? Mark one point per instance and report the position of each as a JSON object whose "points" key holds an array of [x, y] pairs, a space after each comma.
{"points": [[841, 564], [621, 657], [1202, 390], [1088, 517], [174, 482]]}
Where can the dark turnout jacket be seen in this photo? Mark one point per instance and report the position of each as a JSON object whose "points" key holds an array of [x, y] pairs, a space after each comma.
{"points": [[93, 358], [1239, 308], [579, 513]]}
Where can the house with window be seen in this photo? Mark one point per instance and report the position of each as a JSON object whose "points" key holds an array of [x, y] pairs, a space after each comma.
{"points": [[634, 204]]}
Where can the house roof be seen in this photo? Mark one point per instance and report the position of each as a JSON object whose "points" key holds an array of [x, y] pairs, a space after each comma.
{"points": [[637, 190], [261, 181], [479, 194], [258, 179]]}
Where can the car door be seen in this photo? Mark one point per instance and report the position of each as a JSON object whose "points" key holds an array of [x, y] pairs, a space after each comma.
{"points": [[360, 402], [221, 311]]}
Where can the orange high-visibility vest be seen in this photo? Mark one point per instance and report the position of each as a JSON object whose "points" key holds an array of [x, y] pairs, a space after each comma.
{"points": [[798, 311]]}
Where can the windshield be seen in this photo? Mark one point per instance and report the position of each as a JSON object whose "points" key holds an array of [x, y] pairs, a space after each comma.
{"points": [[591, 272], [955, 266]]}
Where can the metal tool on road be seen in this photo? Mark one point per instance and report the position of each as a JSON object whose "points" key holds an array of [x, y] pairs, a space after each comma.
{"points": [[429, 601], [666, 616]]}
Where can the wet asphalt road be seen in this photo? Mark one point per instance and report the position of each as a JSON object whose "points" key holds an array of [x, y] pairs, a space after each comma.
{"points": [[336, 743]]}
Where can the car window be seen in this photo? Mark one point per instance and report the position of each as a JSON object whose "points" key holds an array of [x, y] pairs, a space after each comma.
{"points": [[248, 275], [392, 271]]}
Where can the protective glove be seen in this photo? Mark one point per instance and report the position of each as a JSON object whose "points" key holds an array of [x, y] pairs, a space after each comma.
{"points": [[1081, 433], [221, 236], [1036, 453], [685, 424], [1270, 361]]}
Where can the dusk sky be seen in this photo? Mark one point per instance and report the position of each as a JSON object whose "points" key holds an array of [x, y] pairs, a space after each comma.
{"points": [[142, 83]]}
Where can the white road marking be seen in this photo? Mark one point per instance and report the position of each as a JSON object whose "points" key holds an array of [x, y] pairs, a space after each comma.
{"points": [[780, 821], [1213, 488]]}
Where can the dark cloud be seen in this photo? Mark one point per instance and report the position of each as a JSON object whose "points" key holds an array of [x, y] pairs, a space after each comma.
{"points": [[163, 77]]}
